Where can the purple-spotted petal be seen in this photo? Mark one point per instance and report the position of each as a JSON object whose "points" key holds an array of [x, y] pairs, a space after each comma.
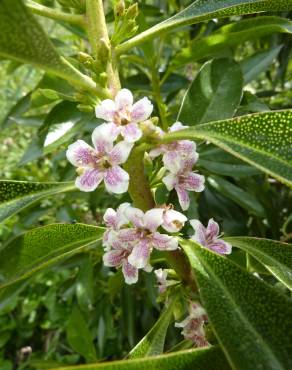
{"points": [[135, 216], [130, 273], [116, 180], [110, 218], [170, 181], [177, 126], [121, 216], [194, 182], [106, 110], [200, 232], [173, 161], [220, 246], [153, 218], [173, 221], [80, 154], [120, 153], [141, 110], [103, 137], [89, 180], [140, 254], [164, 242], [128, 235], [212, 229], [131, 132], [123, 99], [113, 258], [183, 197]]}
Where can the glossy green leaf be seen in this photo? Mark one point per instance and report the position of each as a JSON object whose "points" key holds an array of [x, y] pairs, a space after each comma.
{"points": [[22, 39], [204, 10], [231, 35], [153, 342], [274, 255], [79, 336], [42, 247], [214, 94], [251, 320], [16, 195], [261, 139], [199, 359]]}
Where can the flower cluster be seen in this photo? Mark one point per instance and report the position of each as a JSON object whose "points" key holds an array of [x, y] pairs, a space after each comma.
{"points": [[132, 234], [193, 325], [179, 158]]}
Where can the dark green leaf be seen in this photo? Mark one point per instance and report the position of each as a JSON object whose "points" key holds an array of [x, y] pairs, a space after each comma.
{"points": [[215, 93], [16, 195], [42, 247], [251, 320], [275, 256]]}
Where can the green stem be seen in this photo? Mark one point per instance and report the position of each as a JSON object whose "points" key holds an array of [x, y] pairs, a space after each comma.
{"points": [[51, 13]]}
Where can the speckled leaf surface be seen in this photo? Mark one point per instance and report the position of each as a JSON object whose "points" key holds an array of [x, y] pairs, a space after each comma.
{"points": [[252, 321], [199, 359], [261, 139], [153, 342], [274, 255], [42, 247], [16, 195], [203, 10]]}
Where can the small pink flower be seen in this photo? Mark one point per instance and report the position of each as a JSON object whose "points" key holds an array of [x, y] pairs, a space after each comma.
{"points": [[101, 162], [209, 237], [125, 115], [173, 221], [182, 178], [193, 325]]}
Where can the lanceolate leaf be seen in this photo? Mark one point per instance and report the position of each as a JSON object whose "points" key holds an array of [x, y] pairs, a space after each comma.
{"points": [[275, 256], [22, 39], [248, 316], [153, 343], [231, 35], [199, 359], [203, 10], [16, 195], [261, 139], [42, 247], [214, 94]]}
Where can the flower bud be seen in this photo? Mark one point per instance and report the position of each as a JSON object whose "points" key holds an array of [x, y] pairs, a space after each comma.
{"points": [[132, 12], [119, 9]]}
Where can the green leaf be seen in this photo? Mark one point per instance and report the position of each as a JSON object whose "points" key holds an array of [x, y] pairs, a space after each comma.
{"points": [[17, 195], [42, 247], [274, 255], [239, 196], [230, 36], [22, 39], [251, 320], [153, 342], [204, 10], [262, 139], [214, 94], [199, 359], [79, 336]]}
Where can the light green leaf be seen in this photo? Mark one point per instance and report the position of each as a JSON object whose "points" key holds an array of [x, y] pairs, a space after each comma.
{"points": [[204, 10], [214, 94], [42, 247], [274, 255], [153, 342], [199, 359], [229, 36], [22, 39], [251, 320], [262, 139], [17, 195], [79, 336]]}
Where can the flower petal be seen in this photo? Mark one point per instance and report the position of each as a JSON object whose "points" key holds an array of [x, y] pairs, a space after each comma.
{"points": [[113, 258], [106, 110], [194, 182], [103, 137], [89, 180], [121, 216], [131, 132], [110, 218], [140, 254], [173, 161], [200, 232], [212, 229], [170, 181], [80, 154], [128, 235], [164, 242], [130, 273], [183, 197], [116, 180], [120, 152], [177, 126], [220, 246], [173, 221], [124, 99], [141, 110], [157, 151], [135, 216], [153, 218]]}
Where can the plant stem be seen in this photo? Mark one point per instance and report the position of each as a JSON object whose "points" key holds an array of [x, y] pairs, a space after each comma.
{"points": [[51, 13]]}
